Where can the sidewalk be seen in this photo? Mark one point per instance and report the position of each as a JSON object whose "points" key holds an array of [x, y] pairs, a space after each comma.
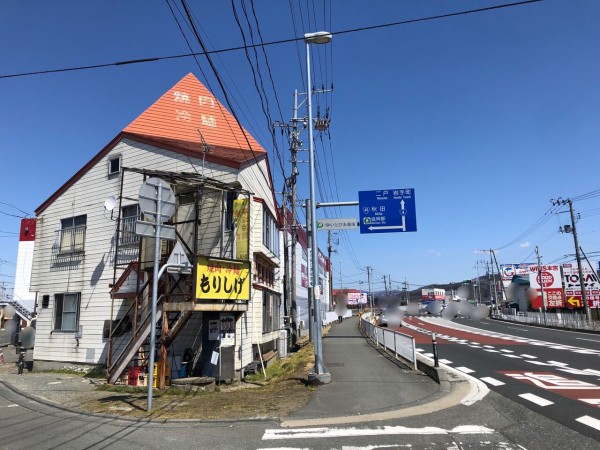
{"points": [[366, 381]]}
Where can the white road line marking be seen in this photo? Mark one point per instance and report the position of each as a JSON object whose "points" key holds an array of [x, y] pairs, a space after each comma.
{"points": [[520, 329], [13, 405], [589, 421], [591, 401], [465, 369], [537, 400], [506, 351], [591, 340], [324, 432], [528, 356], [511, 356], [429, 354], [488, 346], [492, 351], [55, 382], [585, 352], [558, 363], [420, 350], [445, 361], [492, 381]]}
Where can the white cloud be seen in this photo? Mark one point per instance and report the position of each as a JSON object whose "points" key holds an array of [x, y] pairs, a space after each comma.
{"points": [[524, 244], [434, 253]]}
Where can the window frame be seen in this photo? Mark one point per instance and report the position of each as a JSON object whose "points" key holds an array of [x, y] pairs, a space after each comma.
{"points": [[270, 230], [118, 159], [72, 234], [58, 322]]}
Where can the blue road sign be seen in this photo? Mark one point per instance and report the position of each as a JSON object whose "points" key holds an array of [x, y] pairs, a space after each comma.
{"points": [[387, 211]]}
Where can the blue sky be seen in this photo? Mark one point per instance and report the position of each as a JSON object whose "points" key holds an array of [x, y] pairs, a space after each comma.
{"points": [[487, 116]]}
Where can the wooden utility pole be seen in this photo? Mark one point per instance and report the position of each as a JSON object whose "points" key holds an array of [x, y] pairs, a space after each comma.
{"points": [[560, 201]]}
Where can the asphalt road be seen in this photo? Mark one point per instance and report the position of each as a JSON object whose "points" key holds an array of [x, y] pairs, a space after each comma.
{"points": [[551, 372]]}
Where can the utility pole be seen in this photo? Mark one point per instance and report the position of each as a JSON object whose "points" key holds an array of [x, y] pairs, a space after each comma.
{"points": [[329, 252], [295, 144], [406, 290], [311, 286], [502, 288], [560, 201], [370, 292], [541, 281]]}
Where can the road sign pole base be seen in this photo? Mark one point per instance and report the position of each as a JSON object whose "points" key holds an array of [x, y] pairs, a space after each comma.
{"points": [[319, 378]]}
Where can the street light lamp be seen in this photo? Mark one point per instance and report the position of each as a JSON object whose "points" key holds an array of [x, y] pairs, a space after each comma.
{"points": [[319, 374]]}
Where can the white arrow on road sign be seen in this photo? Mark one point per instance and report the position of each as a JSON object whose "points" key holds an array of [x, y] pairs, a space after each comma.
{"points": [[391, 227], [178, 257]]}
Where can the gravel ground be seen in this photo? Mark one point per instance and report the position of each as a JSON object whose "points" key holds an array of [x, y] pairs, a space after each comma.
{"points": [[69, 390], [240, 400]]}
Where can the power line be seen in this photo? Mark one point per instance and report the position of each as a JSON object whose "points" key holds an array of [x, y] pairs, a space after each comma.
{"points": [[264, 44]]}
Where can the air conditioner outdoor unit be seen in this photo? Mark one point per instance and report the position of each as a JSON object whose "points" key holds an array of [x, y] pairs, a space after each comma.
{"points": [[301, 324]]}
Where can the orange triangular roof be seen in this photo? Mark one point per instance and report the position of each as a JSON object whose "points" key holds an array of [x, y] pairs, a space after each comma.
{"points": [[187, 116]]}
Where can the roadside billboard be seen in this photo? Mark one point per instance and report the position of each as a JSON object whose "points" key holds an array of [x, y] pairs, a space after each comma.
{"points": [[552, 283], [573, 297], [508, 271]]}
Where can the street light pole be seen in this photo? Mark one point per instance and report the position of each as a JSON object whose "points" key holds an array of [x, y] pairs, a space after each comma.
{"points": [[319, 375]]}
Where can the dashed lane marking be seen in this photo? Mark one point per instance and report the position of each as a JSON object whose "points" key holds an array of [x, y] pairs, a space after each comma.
{"points": [[465, 369], [528, 356], [537, 400], [492, 381], [589, 421]]}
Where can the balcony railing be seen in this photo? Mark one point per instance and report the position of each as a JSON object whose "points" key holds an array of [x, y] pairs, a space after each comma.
{"points": [[127, 235], [70, 240]]}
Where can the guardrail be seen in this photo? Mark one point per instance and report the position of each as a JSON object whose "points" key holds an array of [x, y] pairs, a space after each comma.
{"points": [[570, 321], [402, 345]]}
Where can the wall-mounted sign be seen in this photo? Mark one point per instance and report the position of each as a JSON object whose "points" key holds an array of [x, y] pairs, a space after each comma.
{"points": [[222, 279], [241, 215]]}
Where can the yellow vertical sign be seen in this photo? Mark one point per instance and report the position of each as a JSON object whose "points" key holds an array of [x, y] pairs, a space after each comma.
{"points": [[241, 214]]}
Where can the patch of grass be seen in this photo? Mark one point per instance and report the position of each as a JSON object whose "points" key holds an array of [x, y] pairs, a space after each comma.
{"points": [[96, 372], [64, 371], [285, 367], [120, 388]]}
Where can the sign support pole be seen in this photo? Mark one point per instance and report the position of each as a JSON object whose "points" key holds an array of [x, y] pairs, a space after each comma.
{"points": [[154, 296]]}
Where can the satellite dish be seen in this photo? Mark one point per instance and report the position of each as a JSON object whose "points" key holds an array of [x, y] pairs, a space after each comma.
{"points": [[110, 203]]}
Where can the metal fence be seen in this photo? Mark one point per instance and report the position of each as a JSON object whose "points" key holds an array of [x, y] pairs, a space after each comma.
{"points": [[401, 345], [576, 321]]}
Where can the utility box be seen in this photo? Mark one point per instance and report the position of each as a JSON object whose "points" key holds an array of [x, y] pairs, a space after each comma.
{"points": [[283, 343], [226, 372]]}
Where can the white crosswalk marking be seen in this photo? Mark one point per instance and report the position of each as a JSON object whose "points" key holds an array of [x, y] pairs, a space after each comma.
{"points": [[589, 421], [492, 381], [325, 432], [537, 400], [465, 369]]}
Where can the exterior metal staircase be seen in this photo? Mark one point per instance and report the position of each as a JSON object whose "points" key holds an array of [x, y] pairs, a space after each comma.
{"points": [[23, 312]]}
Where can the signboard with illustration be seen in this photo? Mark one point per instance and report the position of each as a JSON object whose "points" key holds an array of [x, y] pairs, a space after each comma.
{"points": [[241, 214], [573, 295], [227, 331], [549, 278], [222, 279]]}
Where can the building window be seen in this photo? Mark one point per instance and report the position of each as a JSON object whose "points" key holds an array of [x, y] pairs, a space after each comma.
{"points": [[114, 165], [129, 215], [66, 312], [231, 196], [271, 315], [71, 237], [270, 232]]}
